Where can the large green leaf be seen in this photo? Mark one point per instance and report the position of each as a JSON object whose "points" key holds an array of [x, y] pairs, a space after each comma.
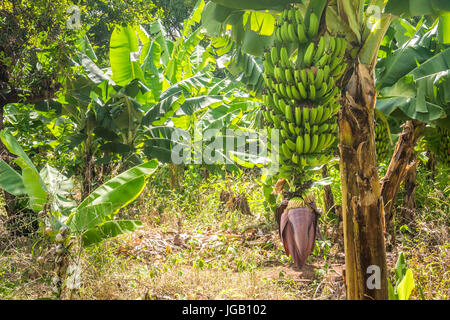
{"points": [[122, 189], [255, 43], [10, 180], [400, 267], [36, 192], [89, 217], [13, 146], [261, 22], [109, 229], [158, 111], [406, 108], [123, 45], [150, 66], [444, 28], [34, 186], [210, 24], [406, 286], [433, 66], [401, 63], [160, 142], [160, 36]]}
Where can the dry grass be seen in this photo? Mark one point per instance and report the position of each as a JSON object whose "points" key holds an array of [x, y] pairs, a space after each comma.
{"points": [[190, 248]]}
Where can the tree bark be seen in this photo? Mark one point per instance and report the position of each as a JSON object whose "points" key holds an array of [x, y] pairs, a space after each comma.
{"points": [[400, 164], [362, 204], [409, 199]]}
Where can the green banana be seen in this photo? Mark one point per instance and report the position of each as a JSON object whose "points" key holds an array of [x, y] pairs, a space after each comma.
{"points": [[294, 158], [298, 116], [291, 145], [302, 90], [299, 144], [288, 113], [319, 114], [301, 35], [291, 15], [284, 32], [311, 76], [284, 57], [292, 128], [319, 78], [304, 76], [307, 58], [312, 115], [277, 73], [291, 33], [322, 91], [305, 115], [274, 56], [288, 75], [312, 92], [297, 75], [314, 141], [287, 153], [298, 17], [307, 143], [282, 89], [331, 44], [276, 121], [321, 143], [288, 91], [295, 92], [320, 49], [313, 25]]}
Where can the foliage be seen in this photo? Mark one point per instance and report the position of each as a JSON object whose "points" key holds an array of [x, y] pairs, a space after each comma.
{"points": [[412, 79], [92, 219], [404, 281]]}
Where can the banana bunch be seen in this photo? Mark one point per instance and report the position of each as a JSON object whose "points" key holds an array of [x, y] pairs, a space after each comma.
{"points": [[383, 145], [301, 98], [292, 27], [443, 150]]}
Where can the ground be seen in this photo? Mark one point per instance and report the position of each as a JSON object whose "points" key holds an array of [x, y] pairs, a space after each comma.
{"points": [[192, 246]]}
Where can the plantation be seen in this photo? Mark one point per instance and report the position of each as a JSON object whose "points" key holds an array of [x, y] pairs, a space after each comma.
{"points": [[250, 150]]}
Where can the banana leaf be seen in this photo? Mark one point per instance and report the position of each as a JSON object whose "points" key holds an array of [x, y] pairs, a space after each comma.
{"points": [[124, 43], [122, 189], [11, 181], [109, 229]]}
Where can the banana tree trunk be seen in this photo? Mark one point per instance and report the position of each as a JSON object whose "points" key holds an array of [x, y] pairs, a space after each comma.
{"points": [[328, 197], [362, 204], [400, 164], [409, 199]]}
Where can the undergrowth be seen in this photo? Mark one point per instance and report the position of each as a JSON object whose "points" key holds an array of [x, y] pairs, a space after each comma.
{"points": [[193, 247]]}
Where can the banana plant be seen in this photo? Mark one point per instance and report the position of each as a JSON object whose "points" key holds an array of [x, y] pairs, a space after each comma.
{"points": [[48, 193], [363, 24], [93, 219], [413, 86]]}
